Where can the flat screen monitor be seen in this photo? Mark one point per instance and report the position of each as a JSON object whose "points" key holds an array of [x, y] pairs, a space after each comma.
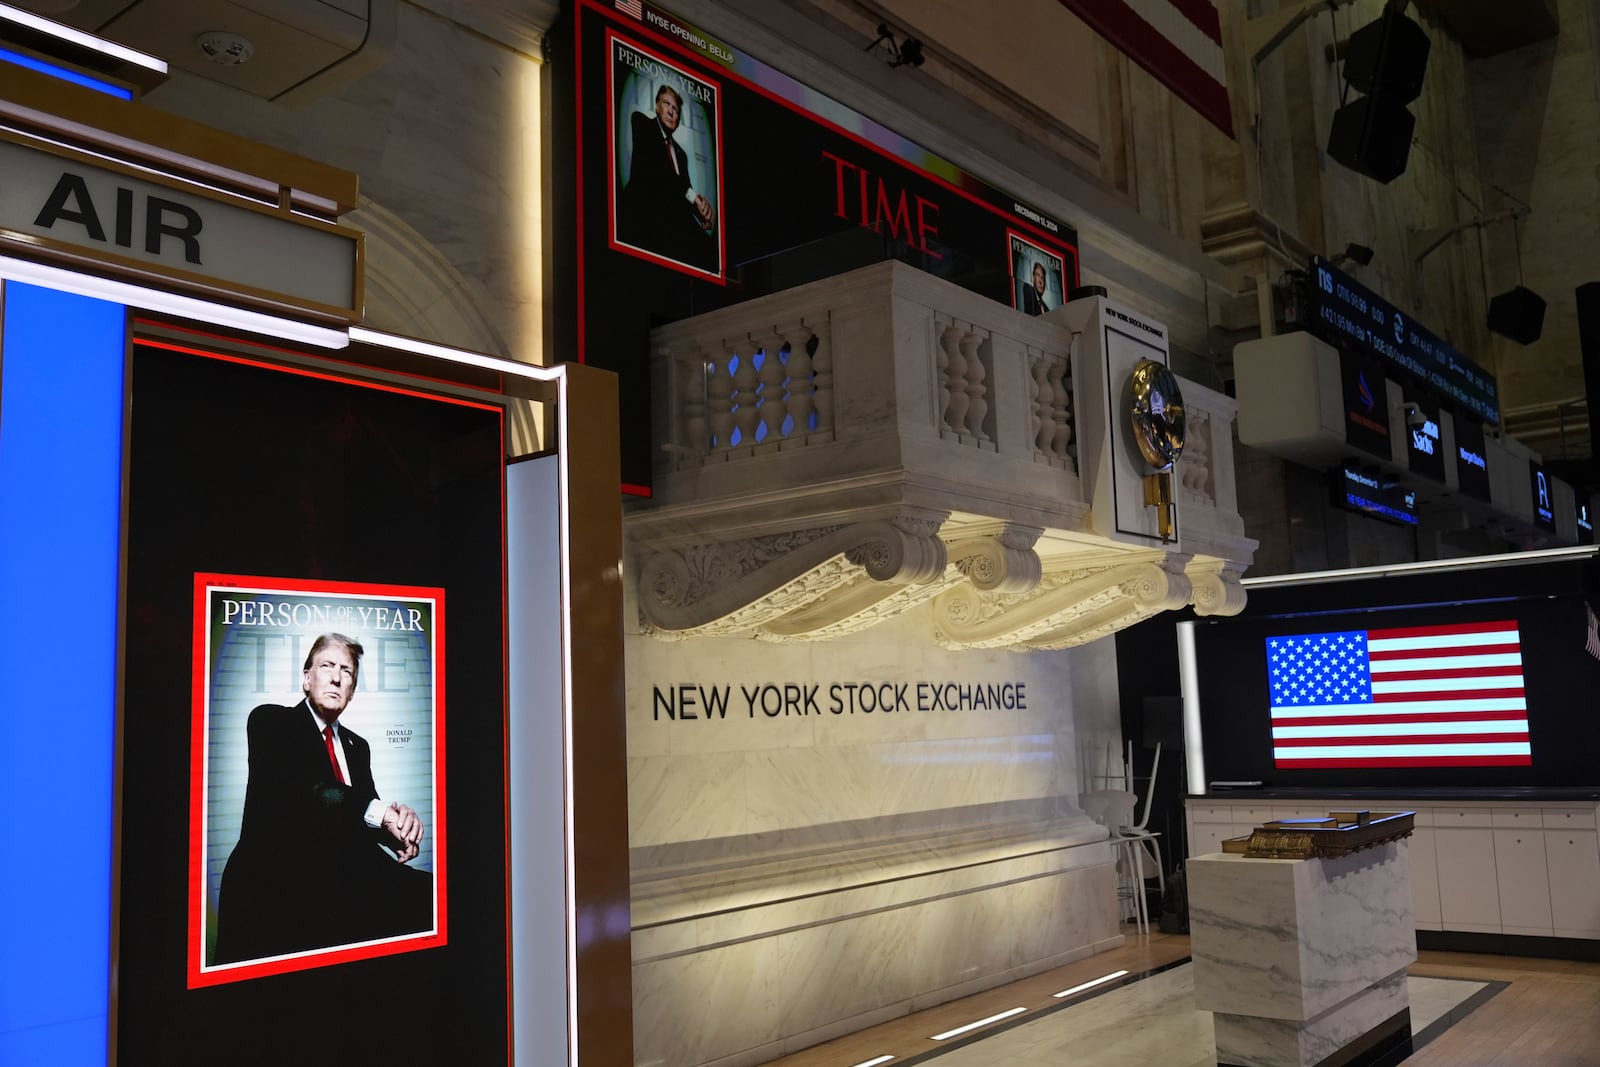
{"points": [[1459, 694]]}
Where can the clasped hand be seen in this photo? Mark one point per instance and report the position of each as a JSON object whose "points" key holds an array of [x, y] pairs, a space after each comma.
{"points": [[405, 828], [705, 214]]}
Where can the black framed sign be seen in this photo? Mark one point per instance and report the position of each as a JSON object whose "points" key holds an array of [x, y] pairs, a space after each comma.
{"points": [[1366, 415], [1374, 493], [1542, 495], [702, 177], [1472, 460], [296, 833], [1424, 441]]}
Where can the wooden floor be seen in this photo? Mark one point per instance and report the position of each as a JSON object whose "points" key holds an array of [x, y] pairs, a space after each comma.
{"points": [[1548, 1015]]}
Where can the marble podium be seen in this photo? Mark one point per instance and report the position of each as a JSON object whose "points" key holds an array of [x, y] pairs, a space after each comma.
{"points": [[1303, 962]]}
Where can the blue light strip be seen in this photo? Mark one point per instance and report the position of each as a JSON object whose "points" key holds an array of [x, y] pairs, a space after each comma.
{"points": [[61, 404], [65, 74]]}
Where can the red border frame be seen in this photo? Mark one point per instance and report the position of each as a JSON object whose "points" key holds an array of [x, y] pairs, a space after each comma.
{"points": [[306, 372], [612, 19], [1059, 252], [721, 276], [198, 975]]}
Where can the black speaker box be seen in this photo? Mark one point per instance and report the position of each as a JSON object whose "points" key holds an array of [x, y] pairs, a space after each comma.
{"points": [[1372, 136], [1517, 314], [1387, 56]]}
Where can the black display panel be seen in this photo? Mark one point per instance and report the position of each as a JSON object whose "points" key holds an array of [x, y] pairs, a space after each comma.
{"points": [[1523, 719], [1424, 440], [703, 177], [326, 496], [1542, 496], [1374, 493], [1350, 316], [1585, 522], [1472, 462], [1366, 405]]}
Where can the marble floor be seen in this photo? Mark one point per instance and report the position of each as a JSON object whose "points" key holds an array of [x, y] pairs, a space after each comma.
{"points": [[1149, 1021], [1145, 1017]]}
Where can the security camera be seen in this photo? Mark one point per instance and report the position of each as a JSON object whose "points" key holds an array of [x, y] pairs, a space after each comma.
{"points": [[1414, 415]]}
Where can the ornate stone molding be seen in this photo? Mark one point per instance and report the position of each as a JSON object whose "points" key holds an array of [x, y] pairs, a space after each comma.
{"points": [[825, 582], [800, 584], [1066, 608], [943, 467]]}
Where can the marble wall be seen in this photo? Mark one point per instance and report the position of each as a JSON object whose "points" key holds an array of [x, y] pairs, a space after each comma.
{"points": [[801, 870], [444, 134]]}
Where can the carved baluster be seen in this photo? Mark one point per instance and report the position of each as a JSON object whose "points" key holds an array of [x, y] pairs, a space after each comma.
{"points": [[1062, 409], [1044, 396], [801, 386], [746, 399], [822, 368], [973, 350], [954, 379], [694, 405], [773, 373], [719, 398]]}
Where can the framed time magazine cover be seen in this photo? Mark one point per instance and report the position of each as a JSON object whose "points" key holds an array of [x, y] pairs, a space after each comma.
{"points": [[665, 148], [317, 794], [1037, 276]]}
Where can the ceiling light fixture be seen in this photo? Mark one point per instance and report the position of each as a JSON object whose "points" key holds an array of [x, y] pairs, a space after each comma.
{"points": [[81, 39]]}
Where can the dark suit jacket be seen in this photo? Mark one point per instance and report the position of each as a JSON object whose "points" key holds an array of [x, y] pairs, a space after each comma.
{"points": [[653, 212], [1032, 302], [308, 872]]}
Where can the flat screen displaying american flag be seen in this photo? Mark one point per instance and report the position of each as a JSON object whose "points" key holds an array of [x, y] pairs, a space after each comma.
{"points": [[1420, 696]]}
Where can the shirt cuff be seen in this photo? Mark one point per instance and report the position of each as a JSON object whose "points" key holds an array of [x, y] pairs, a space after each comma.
{"points": [[374, 813]]}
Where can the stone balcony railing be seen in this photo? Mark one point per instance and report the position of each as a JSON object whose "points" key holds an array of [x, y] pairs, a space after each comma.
{"points": [[850, 449]]}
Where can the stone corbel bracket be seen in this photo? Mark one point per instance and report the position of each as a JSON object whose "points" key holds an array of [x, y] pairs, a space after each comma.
{"points": [[1001, 563], [1066, 608], [1216, 587], [805, 585]]}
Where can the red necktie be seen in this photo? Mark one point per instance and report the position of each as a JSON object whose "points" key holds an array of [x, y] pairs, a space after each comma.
{"points": [[672, 156], [327, 735]]}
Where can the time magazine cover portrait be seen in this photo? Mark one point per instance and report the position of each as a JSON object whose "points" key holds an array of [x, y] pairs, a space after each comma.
{"points": [[666, 174], [317, 801], [1036, 277]]}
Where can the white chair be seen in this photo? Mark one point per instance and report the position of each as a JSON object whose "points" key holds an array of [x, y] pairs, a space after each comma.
{"points": [[1113, 809], [1148, 844]]}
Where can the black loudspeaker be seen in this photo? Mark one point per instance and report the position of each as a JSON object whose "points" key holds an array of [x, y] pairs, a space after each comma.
{"points": [[1517, 314], [1372, 136], [1387, 56]]}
